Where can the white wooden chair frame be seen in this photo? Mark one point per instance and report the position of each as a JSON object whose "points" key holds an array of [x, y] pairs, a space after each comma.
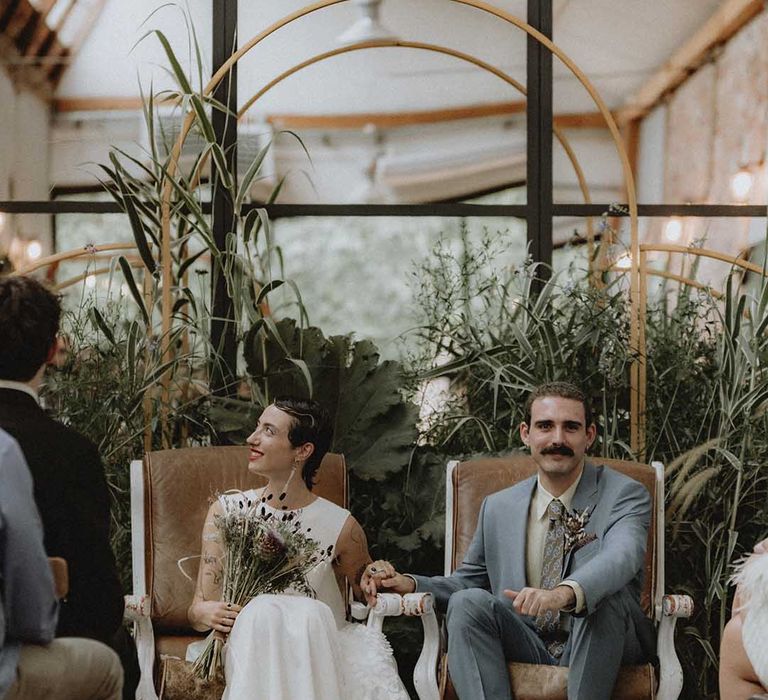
{"points": [[138, 608]]}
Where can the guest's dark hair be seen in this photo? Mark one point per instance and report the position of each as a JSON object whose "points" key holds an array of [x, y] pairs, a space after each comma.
{"points": [[564, 390], [311, 423], [29, 322]]}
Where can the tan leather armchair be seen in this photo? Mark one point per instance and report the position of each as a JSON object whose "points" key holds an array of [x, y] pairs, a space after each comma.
{"points": [[170, 494], [467, 484]]}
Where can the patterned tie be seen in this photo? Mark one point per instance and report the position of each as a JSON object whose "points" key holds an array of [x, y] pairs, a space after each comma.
{"points": [[548, 624]]}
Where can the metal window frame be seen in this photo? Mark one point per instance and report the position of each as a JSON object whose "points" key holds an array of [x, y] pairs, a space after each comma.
{"points": [[437, 209], [538, 213]]}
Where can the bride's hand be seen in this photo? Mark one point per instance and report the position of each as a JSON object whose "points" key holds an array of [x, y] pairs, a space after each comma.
{"points": [[214, 614], [381, 574]]}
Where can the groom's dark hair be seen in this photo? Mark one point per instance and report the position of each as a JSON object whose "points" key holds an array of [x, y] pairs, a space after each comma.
{"points": [[565, 390], [311, 423]]}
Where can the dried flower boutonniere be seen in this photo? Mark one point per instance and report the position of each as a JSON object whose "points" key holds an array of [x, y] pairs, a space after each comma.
{"points": [[574, 523]]}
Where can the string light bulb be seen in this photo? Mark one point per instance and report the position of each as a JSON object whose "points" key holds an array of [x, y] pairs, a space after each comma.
{"points": [[673, 231], [741, 185], [34, 250], [624, 262]]}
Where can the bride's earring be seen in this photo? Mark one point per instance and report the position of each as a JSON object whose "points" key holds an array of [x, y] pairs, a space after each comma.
{"points": [[284, 492]]}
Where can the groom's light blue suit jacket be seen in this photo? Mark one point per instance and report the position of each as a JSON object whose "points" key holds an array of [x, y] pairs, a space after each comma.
{"points": [[620, 516]]}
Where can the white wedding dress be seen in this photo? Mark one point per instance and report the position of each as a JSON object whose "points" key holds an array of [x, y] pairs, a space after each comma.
{"points": [[752, 577], [291, 647]]}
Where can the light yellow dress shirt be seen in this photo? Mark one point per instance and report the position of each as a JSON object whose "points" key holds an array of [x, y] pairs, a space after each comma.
{"points": [[538, 524]]}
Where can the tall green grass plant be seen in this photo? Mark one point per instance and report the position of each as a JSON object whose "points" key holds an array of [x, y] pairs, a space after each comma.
{"points": [[485, 330]]}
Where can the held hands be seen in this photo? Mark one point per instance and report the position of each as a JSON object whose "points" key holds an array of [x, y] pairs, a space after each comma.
{"points": [[536, 601], [214, 614], [382, 575]]}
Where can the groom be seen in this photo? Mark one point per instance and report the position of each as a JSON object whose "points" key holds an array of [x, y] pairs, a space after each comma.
{"points": [[536, 585]]}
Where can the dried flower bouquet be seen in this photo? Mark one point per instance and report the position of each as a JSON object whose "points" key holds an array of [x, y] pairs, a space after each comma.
{"points": [[264, 552]]}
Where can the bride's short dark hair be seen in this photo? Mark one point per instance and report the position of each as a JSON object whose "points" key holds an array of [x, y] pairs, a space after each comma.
{"points": [[311, 423]]}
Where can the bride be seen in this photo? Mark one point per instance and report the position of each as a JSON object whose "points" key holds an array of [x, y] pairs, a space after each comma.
{"points": [[289, 646]]}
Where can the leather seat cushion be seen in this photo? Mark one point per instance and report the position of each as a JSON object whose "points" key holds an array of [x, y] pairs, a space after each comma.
{"points": [[174, 644], [537, 682]]}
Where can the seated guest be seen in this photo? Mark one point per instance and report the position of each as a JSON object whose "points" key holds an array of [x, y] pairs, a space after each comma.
{"points": [[34, 666], [743, 655], [69, 483]]}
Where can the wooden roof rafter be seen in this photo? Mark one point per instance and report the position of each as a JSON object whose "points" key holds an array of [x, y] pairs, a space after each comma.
{"points": [[31, 46], [57, 69], [729, 18], [354, 120], [44, 35]]}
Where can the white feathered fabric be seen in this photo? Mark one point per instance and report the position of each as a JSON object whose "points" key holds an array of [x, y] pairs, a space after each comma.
{"points": [[752, 577]]}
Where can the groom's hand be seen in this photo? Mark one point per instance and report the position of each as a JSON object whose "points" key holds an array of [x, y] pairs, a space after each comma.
{"points": [[382, 575], [536, 601]]}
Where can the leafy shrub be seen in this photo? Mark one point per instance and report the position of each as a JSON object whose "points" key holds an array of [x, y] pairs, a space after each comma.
{"points": [[486, 331]]}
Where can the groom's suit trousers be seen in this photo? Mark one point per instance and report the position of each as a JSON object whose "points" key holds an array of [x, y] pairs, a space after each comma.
{"points": [[485, 634]]}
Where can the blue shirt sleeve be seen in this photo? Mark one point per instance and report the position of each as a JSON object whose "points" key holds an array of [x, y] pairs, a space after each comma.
{"points": [[29, 602]]}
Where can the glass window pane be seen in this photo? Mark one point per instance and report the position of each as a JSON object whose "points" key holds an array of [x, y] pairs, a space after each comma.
{"points": [[360, 274]]}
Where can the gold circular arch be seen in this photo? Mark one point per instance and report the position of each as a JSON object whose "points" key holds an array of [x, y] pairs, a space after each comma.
{"points": [[95, 272], [70, 255], [637, 330], [435, 48], [559, 135]]}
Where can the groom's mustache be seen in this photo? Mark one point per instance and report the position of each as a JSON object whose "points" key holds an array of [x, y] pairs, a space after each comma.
{"points": [[558, 450]]}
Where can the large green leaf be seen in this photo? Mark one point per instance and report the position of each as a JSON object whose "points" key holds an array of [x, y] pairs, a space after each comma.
{"points": [[374, 426]]}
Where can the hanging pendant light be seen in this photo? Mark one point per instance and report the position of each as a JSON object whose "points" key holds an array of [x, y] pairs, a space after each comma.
{"points": [[368, 27]]}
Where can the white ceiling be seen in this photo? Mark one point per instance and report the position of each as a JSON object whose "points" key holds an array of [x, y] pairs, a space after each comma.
{"points": [[618, 43]]}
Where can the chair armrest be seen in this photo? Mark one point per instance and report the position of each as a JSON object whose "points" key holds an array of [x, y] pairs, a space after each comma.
{"points": [[137, 607], [137, 610], [670, 671], [414, 605], [60, 572], [359, 611], [425, 673], [677, 606]]}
